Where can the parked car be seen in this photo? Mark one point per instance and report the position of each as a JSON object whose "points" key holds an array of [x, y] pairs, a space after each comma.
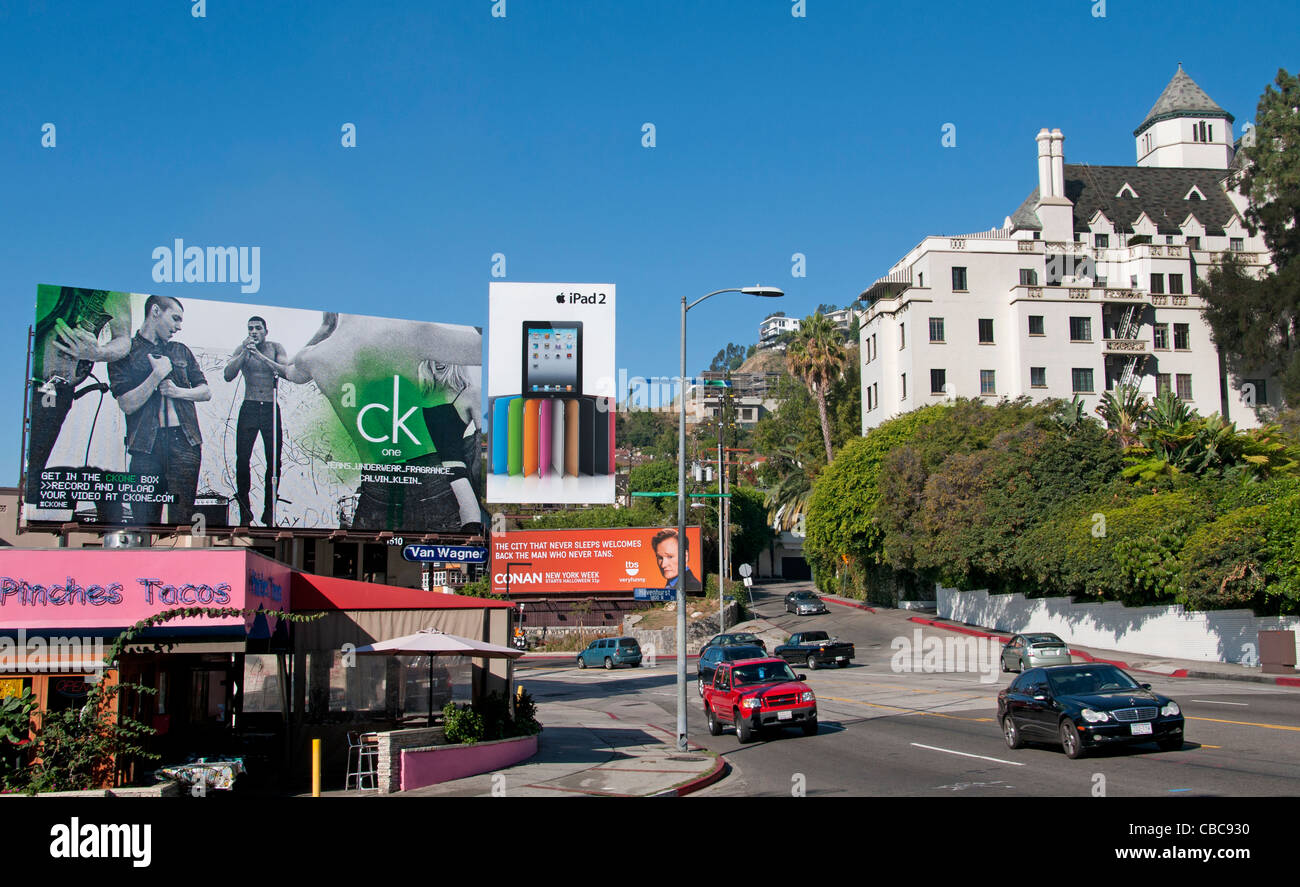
{"points": [[1034, 651], [1086, 706], [815, 649], [755, 693], [804, 603], [610, 652], [710, 657], [733, 638]]}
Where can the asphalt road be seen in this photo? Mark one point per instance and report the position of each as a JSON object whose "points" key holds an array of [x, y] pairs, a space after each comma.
{"points": [[886, 732]]}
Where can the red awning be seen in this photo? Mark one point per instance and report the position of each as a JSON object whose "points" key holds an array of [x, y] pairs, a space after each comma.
{"points": [[312, 592]]}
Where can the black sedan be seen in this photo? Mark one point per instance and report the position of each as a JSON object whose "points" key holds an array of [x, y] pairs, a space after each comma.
{"points": [[711, 656], [1082, 707]]}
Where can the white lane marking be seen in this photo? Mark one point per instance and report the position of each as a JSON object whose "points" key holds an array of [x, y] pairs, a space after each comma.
{"points": [[967, 754], [1214, 702]]}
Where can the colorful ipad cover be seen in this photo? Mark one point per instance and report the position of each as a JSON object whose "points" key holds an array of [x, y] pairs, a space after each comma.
{"points": [[501, 434], [531, 411], [571, 447], [600, 450], [515, 444], [557, 436], [544, 436], [587, 436]]}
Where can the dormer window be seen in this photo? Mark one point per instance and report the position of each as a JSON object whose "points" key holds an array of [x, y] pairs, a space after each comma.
{"points": [[1194, 194], [1129, 189]]}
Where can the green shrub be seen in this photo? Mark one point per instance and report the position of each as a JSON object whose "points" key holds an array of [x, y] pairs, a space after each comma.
{"points": [[462, 725], [1222, 564]]}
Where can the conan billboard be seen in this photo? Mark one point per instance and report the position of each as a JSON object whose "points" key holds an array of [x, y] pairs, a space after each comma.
{"points": [[643, 560], [157, 411]]}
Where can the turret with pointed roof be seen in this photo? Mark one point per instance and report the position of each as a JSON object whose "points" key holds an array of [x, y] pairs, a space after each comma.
{"points": [[1185, 128]]}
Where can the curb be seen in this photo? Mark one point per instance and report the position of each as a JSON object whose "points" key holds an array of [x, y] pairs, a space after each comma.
{"points": [[719, 770], [852, 604], [957, 628]]}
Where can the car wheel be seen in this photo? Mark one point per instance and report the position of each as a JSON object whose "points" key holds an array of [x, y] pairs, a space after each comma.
{"points": [[582, 663], [1022, 666], [1174, 744], [699, 685], [1011, 734], [1070, 740], [810, 727], [744, 732], [812, 663], [609, 663], [715, 727], [1004, 665]]}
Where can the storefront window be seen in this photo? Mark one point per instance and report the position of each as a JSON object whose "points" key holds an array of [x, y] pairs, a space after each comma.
{"points": [[261, 684]]}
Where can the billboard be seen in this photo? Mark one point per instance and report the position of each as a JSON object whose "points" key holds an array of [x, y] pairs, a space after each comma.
{"points": [[150, 410], [551, 393], [639, 559]]}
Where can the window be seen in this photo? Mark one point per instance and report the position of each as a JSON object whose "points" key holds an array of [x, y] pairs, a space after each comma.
{"points": [[1193, 243], [936, 329], [1080, 329], [902, 336], [1157, 283], [1162, 383], [1028, 277], [874, 352], [1081, 380], [1038, 377], [1161, 341], [1036, 325], [903, 380], [987, 382], [920, 279], [1101, 241], [870, 407], [1176, 284], [986, 331], [1184, 381], [1236, 244], [1181, 336], [938, 381], [958, 279]]}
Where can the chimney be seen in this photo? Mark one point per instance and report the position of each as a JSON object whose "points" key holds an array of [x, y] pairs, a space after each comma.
{"points": [[1044, 163], [1058, 163]]}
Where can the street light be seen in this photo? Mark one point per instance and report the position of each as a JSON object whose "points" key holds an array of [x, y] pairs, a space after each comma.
{"points": [[769, 292]]}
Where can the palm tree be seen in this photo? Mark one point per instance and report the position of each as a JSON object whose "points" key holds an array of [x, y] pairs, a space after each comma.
{"points": [[788, 499], [817, 357]]}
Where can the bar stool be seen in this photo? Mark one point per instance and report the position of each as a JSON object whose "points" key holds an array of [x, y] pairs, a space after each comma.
{"points": [[363, 761]]}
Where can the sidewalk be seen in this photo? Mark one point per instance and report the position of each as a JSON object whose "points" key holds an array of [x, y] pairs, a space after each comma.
{"points": [[581, 755]]}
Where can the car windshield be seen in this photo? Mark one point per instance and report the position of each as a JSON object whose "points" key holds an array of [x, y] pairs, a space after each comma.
{"points": [[1096, 679], [1043, 639], [740, 639], [805, 596], [810, 636], [743, 651], [627, 642], [762, 673]]}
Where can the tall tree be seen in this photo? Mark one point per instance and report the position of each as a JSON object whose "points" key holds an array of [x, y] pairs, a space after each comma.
{"points": [[817, 356], [1255, 321]]}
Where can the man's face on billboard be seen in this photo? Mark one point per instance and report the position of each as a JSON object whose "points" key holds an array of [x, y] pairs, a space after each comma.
{"points": [[256, 331], [169, 320], [666, 555]]}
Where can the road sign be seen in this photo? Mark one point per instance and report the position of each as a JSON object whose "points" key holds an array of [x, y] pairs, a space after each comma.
{"points": [[748, 582], [746, 570]]}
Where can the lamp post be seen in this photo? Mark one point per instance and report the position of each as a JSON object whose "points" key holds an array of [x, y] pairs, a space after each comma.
{"points": [[763, 291]]}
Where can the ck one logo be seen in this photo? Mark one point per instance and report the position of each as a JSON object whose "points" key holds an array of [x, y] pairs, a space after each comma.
{"points": [[399, 421]]}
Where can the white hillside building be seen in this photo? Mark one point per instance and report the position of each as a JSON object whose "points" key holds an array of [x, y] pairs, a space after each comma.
{"points": [[1091, 283]]}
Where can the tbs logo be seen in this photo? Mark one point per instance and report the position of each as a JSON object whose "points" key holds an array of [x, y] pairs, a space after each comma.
{"points": [[580, 299]]}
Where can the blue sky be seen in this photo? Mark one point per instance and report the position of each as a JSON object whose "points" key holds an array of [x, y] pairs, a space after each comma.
{"points": [[522, 135]]}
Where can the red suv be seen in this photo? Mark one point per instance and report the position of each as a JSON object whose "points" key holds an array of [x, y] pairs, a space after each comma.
{"points": [[756, 693]]}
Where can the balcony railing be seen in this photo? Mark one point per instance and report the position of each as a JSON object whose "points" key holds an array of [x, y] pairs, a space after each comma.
{"points": [[1126, 346]]}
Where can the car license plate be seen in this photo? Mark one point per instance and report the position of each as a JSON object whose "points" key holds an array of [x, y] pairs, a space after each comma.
{"points": [[784, 715], [1140, 729], [839, 658]]}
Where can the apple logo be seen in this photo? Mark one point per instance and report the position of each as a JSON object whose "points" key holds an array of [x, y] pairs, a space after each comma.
{"points": [[559, 300]]}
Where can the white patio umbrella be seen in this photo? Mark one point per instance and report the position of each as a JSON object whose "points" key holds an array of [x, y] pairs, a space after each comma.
{"points": [[431, 642]]}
